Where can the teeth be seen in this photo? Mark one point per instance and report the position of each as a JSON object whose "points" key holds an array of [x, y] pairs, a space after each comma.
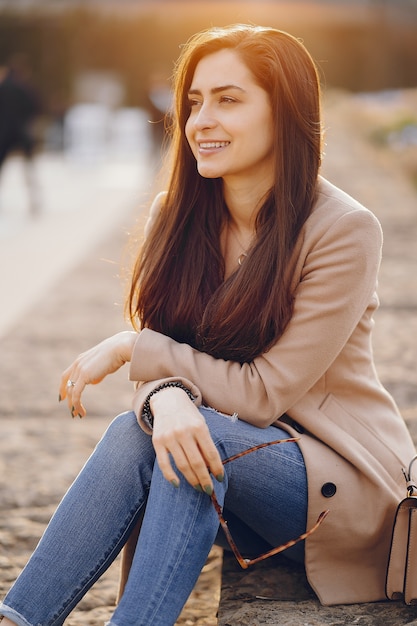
{"points": [[214, 144]]}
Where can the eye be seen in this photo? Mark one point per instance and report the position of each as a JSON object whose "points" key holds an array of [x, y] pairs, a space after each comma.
{"points": [[193, 102], [227, 99]]}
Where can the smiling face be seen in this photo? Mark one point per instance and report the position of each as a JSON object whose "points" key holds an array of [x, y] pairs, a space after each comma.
{"points": [[230, 126]]}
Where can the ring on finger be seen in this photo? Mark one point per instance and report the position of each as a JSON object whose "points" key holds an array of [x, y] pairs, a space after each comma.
{"points": [[70, 383]]}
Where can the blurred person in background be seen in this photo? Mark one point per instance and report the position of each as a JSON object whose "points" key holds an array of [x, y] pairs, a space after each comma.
{"points": [[252, 301], [19, 108]]}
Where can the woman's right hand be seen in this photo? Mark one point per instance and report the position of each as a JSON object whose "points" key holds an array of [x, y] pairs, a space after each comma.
{"points": [[180, 430], [90, 367]]}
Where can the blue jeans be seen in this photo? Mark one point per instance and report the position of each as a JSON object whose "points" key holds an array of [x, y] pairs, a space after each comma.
{"points": [[265, 501]]}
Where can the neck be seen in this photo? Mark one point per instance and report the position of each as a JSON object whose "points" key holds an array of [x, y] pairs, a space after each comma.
{"points": [[243, 202]]}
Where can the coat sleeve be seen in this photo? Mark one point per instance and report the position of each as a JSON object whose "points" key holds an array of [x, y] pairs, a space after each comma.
{"points": [[337, 272]]}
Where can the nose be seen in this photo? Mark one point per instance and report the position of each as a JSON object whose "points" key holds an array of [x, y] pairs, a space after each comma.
{"points": [[204, 118]]}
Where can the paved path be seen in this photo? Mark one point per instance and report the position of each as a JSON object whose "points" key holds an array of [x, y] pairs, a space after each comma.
{"points": [[81, 203]]}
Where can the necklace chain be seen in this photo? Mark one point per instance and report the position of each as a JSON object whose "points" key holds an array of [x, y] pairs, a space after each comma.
{"points": [[242, 256]]}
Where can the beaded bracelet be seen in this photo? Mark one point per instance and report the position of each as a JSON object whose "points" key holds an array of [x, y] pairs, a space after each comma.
{"points": [[146, 411]]}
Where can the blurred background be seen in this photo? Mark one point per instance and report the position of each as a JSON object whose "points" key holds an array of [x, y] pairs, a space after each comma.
{"points": [[85, 85], [117, 56]]}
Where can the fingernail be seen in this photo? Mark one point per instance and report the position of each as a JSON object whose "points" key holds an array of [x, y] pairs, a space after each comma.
{"points": [[175, 483], [198, 488], [59, 398], [220, 478], [80, 416], [208, 489]]}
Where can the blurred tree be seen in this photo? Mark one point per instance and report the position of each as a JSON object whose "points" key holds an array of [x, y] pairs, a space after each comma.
{"points": [[369, 51]]}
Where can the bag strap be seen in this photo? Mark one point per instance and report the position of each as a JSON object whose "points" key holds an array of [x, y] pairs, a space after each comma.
{"points": [[411, 485]]}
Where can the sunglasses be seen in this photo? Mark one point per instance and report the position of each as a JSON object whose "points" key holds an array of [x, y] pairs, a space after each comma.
{"points": [[244, 562]]}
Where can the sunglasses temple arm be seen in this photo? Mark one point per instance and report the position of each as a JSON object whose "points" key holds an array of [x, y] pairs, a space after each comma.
{"points": [[290, 543], [259, 447], [242, 562]]}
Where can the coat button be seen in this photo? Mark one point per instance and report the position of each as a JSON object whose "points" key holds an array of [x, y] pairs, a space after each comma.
{"points": [[297, 427], [328, 490]]}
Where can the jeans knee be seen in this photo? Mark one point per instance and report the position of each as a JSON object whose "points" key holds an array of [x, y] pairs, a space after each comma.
{"points": [[126, 448], [123, 423], [124, 432]]}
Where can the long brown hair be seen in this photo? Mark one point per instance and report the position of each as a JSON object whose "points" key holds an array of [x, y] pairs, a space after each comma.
{"points": [[178, 285]]}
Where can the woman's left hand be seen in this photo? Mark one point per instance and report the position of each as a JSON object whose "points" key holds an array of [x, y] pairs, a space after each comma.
{"points": [[90, 367], [180, 432]]}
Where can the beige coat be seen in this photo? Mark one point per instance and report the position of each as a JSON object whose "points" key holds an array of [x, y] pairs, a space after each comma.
{"points": [[321, 374]]}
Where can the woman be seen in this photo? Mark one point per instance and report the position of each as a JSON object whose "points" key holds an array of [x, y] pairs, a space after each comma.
{"points": [[254, 290]]}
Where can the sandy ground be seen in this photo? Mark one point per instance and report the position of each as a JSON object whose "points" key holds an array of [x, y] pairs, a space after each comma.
{"points": [[42, 448]]}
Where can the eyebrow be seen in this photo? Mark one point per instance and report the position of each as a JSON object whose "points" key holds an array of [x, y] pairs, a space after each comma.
{"points": [[214, 90]]}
